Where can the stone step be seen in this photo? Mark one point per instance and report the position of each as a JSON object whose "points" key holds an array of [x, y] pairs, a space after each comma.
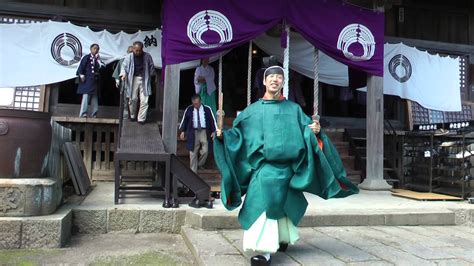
{"points": [[335, 134], [210, 162], [211, 248], [48, 231], [354, 176], [348, 161], [342, 147], [222, 219], [360, 139]]}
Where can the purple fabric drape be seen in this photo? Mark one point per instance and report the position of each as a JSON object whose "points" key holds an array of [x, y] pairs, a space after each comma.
{"points": [[214, 26], [199, 29], [333, 28]]}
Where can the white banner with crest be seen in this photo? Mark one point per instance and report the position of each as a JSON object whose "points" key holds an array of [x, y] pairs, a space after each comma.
{"points": [[49, 52]]}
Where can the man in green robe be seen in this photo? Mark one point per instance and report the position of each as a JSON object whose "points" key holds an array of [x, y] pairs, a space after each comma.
{"points": [[271, 155]]}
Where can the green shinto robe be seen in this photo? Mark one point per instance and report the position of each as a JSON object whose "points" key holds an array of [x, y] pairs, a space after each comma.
{"points": [[272, 156]]}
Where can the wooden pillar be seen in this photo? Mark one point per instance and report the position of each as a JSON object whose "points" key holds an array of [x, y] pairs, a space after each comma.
{"points": [[471, 23], [159, 94], [88, 147], [170, 108], [374, 179]]}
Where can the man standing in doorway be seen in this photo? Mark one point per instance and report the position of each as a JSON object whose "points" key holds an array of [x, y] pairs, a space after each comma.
{"points": [[89, 80], [198, 126], [136, 73]]}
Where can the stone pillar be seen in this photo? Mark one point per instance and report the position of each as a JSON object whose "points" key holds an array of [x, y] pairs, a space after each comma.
{"points": [[374, 179], [171, 108]]}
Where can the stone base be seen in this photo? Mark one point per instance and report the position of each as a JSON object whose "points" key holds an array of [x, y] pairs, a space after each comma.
{"points": [[127, 220], [28, 196], [50, 231], [375, 184]]}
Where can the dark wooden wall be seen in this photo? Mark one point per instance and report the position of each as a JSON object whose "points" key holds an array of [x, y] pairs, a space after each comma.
{"points": [[113, 15], [432, 20], [439, 26]]}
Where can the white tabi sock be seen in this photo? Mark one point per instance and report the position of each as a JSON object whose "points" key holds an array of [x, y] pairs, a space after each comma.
{"points": [[267, 256]]}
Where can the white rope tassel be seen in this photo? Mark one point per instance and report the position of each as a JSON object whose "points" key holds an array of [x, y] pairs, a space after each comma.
{"points": [[286, 61], [220, 112], [249, 76], [316, 82], [220, 81]]}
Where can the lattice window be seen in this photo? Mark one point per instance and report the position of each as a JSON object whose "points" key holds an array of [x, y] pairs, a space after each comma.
{"points": [[463, 69], [11, 20], [27, 98], [423, 116]]}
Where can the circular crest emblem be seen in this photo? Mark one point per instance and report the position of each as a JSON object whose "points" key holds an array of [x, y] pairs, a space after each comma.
{"points": [[71, 41], [356, 33], [209, 20], [400, 68], [3, 128]]}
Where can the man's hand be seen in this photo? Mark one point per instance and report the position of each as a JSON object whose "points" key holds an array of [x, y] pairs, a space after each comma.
{"points": [[182, 136], [219, 134], [123, 78], [315, 127], [201, 80]]}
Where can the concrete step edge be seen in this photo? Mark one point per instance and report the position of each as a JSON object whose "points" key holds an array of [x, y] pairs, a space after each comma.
{"points": [[214, 221], [190, 245]]}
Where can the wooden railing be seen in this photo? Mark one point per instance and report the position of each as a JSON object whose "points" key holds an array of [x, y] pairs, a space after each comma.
{"points": [[97, 139]]}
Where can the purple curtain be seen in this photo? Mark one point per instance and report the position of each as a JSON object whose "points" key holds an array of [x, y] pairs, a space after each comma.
{"points": [[198, 29], [349, 34]]}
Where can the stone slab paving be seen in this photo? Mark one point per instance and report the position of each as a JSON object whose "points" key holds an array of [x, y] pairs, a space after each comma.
{"points": [[107, 249], [346, 245]]}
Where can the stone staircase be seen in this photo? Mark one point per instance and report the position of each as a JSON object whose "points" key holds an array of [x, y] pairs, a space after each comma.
{"points": [[342, 146], [359, 150]]}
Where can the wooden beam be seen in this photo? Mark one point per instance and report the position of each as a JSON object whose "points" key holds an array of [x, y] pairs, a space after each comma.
{"points": [[53, 96], [159, 93], [41, 103], [374, 179], [438, 47], [108, 19], [170, 108], [439, 6], [471, 23], [47, 94]]}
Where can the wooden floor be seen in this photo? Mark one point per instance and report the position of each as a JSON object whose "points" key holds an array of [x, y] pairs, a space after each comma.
{"points": [[422, 195]]}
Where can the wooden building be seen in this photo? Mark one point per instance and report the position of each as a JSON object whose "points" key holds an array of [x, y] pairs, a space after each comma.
{"points": [[438, 26]]}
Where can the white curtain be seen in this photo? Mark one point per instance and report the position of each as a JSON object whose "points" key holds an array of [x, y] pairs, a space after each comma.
{"points": [[26, 50], [431, 80], [301, 59]]}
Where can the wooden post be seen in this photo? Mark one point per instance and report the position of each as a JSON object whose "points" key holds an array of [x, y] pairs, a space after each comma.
{"points": [[471, 23], [88, 148], [43, 101], [374, 179], [170, 108], [159, 94]]}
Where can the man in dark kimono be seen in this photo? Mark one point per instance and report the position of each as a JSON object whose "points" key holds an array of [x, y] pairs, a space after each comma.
{"points": [[272, 154], [89, 80]]}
